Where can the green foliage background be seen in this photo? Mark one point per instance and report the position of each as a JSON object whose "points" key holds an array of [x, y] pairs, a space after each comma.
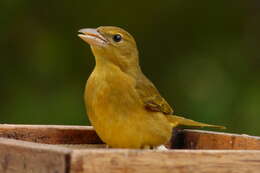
{"points": [[202, 55]]}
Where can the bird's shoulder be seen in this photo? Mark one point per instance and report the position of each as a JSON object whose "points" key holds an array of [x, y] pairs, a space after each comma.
{"points": [[150, 96]]}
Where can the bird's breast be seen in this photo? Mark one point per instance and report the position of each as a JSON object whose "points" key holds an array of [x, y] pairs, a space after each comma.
{"points": [[112, 91], [117, 113]]}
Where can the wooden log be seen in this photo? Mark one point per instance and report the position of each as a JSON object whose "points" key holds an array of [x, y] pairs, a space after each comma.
{"points": [[173, 161]]}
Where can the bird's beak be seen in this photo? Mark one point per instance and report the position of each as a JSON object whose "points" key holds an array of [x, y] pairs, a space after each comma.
{"points": [[92, 36]]}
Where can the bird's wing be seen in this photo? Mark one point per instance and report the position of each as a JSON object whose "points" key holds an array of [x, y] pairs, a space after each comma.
{"points": [[151, 97]]}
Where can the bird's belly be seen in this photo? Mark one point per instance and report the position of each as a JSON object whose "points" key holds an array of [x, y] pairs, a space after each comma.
{"points": [[122, 122], [133, 132], [118, 115]]}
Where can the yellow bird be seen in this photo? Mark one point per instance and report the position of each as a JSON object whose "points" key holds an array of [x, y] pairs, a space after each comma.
{"points": [[123, 105]]}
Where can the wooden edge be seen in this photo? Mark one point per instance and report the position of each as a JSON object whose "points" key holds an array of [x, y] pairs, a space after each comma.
{"points": [[182, 139], [219, 133], [199, 139], [23, 157], [36, 126], [51, 134], [33, 146], [153, 161]]}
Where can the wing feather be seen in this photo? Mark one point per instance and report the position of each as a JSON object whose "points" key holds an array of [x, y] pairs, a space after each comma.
{"points": [[151, 97]]}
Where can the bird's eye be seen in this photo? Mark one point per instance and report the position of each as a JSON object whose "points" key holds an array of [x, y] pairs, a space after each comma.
{"points": [[117, 38]]}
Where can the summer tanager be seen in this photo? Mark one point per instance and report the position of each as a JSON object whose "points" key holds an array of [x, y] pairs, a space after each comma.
{"points": [[123, 105]]}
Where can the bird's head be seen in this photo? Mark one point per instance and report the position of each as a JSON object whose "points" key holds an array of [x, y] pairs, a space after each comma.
{"points": [[113, 44]]}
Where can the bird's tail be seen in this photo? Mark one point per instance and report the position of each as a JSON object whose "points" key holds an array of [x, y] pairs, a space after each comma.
{"points": [[177, 120]]}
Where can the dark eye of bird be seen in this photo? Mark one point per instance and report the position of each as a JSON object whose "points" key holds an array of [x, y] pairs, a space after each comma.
{"points": [[117, 38]]}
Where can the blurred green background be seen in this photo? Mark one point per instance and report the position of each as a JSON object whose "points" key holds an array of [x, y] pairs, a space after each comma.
{"points": [[202, 55]]}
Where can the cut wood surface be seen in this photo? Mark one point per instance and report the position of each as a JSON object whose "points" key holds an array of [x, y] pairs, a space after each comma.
{"points": [[27, 157], [199, 139], [77, 149], [182, 139], [51, 134], [175, 161]]}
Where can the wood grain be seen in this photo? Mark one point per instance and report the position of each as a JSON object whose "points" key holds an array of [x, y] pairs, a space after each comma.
{"points": [[89, 155], [51, 134], [27, 157], [182, 139], [174, 161], [199, 139]]}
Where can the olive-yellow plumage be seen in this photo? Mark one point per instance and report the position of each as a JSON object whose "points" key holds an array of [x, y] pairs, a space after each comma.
{"points": [[125, 108]]}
